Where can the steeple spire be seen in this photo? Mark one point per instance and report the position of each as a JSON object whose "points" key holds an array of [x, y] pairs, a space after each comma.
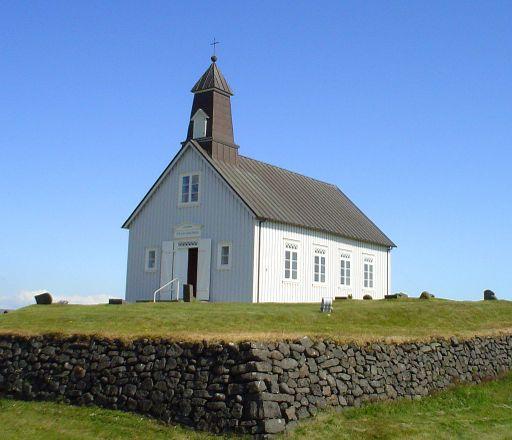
{"points": [[212, 79], [211, 124]]}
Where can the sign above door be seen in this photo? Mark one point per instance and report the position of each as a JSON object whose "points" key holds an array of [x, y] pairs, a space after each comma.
{"points": [[187, 231]]}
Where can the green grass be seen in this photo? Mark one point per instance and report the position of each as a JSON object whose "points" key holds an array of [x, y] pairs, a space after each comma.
{"points": [[51, 421], [466, 412], [351, 320]]}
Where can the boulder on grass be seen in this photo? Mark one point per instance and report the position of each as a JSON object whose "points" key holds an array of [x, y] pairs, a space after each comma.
{"points": [[396, 295], [426, 295], [44, 298], [489, 295], [367, 296]]}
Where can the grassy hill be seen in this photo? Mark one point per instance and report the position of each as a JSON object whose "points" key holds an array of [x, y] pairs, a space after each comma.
{"points": [[396, 320], [467, 412]]}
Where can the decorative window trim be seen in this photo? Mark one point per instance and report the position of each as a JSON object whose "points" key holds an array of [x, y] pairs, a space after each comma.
{"points": [[221, 245], [186, 244], [321, 253], [290, 247], [345, 271], [368, 272], [147, 259], [180, 189]]}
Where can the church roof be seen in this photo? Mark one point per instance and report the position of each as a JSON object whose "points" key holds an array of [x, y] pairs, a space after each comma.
{"points": [[276, 194], [212, 79], [279, 195]]}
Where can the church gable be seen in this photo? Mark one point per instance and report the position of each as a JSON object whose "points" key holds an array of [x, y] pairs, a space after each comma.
{"points": [[188, 182]]}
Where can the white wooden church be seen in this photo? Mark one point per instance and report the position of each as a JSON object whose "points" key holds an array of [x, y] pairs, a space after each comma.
{"points": [[238, 229]]}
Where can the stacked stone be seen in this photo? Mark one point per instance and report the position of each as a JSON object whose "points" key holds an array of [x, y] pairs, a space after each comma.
{"points": [[252, 387]]}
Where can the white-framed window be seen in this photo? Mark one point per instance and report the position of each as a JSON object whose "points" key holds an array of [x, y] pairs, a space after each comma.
{"points": [[345, 268], [319, 259], [368, 272], [291, 261], [224, 255], [199, 124], [150, 260], [189, 189]]}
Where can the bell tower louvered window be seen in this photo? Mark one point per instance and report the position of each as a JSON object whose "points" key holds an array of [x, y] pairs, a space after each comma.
{"points": [[200, 124]]}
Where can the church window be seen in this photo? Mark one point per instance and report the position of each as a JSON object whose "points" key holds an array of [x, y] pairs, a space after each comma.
{"points": [[291, 255], [224, 256], [319, 265], [150, 260], [199, 124], [368, 272], [189, 188], [345, 268]]}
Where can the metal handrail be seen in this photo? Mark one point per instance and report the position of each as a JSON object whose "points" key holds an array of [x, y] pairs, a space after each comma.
{"points": [[165, 285]]}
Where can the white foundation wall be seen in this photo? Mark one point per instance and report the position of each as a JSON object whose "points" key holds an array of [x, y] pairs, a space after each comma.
{"points": [[223, 218], [269, 256]]}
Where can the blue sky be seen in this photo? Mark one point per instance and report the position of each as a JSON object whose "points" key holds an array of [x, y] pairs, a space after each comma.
{"points": [[406, 106]]}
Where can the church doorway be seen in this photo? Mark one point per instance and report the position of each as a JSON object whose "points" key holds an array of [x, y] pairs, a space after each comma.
{"points": [[192, 268], [190, 262]]}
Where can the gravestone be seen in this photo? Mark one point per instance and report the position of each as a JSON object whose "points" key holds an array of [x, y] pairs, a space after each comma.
{"points": [[326, 305], [489, 295], [44, 298], [396, 295], [188, 292], [426, 295]]}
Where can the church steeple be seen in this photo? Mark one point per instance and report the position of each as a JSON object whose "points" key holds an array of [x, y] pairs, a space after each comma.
{"points": [[211, 124]]}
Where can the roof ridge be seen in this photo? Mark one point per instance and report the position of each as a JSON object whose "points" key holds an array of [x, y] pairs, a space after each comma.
{"points": [[289, 171]]}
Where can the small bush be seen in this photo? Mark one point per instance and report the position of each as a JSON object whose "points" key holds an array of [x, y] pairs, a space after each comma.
{"points": [[426, 295], [367, 297], [349, 296]]}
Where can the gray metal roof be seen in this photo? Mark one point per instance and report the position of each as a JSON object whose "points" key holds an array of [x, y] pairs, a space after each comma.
{"points": [[276, 194], [212, 79]]}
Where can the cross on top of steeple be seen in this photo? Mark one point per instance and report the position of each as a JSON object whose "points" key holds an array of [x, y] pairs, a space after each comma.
{"points": [[214, 44]]}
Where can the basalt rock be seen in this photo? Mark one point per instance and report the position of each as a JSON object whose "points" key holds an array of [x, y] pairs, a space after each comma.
{"points": [[489, 295], [44, 298]]}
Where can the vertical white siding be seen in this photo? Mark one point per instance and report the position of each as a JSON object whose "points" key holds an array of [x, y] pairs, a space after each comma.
{"points": [[223, 218], [273, 287]]}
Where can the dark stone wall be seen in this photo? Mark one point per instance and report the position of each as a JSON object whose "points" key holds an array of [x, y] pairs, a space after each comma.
{"points": [[256, 388]]}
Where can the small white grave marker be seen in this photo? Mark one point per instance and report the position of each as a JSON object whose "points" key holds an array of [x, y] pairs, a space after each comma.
{"points": [[326, 306]]}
